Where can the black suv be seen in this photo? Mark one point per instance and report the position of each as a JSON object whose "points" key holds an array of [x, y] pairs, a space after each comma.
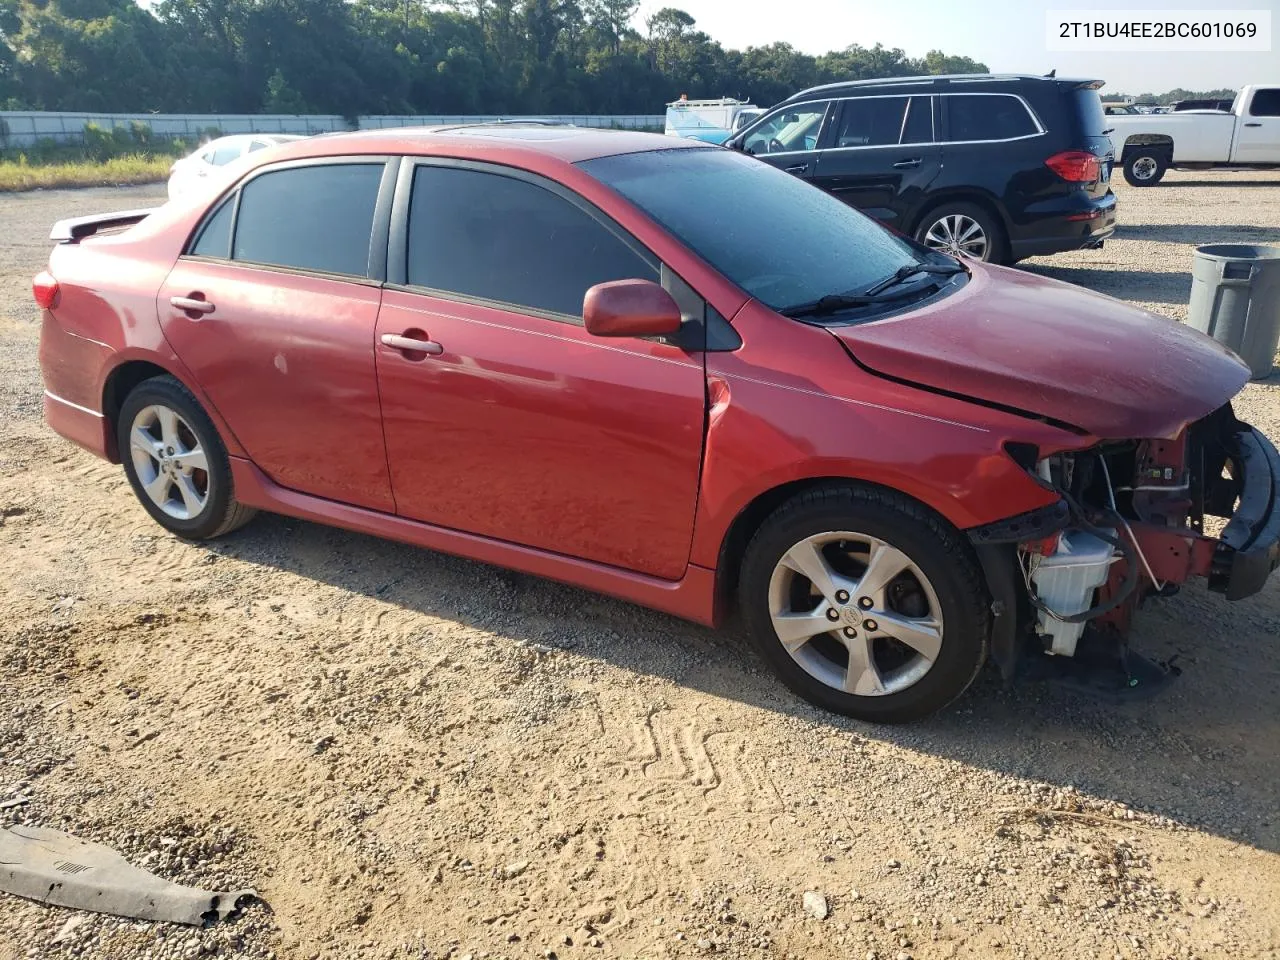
{"points": [[994, 167]]}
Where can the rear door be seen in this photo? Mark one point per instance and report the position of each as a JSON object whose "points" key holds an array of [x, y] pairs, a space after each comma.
{"points": [[791, 136], [515, 423], [1258, 133], [882, 155], [273, 306]]}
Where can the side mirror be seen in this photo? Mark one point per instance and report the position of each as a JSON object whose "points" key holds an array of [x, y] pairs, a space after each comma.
{"points": [[629, 308]]}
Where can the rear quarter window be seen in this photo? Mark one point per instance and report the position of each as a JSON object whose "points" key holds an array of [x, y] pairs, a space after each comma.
{"points": [[987, 117]]}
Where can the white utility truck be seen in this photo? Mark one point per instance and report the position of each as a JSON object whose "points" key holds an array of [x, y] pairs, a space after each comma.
{"points": [[1247, 135], [714, 121]]}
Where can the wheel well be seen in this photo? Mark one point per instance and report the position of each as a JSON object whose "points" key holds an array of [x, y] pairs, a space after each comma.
{"points": [[734, 546], [120, 383], [1162, 141], [977, 199]]}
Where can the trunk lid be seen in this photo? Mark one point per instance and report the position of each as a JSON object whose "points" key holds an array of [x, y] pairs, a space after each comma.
{"points": [[1053, 350]]}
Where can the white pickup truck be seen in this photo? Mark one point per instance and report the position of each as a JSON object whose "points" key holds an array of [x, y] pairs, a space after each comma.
{"points": [[1246, 136]]}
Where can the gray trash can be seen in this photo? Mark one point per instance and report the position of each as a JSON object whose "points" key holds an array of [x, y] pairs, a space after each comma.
{"points": [[1235, 298]]}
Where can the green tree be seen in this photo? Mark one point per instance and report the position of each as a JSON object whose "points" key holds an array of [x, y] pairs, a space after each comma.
{"points": [[282, 98]]}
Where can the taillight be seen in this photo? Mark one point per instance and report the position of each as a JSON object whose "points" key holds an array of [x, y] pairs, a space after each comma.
{"points": [[1075, 166], [45, 289]]}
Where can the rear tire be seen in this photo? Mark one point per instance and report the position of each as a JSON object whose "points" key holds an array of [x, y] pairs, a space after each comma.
{"points": [[176, 462], [1145, 167], [877, 645], [964, 229]]}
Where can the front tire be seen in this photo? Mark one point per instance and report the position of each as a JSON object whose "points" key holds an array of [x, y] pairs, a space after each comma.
{"points": [[865, 603], [1145, 168], [176, 463]]}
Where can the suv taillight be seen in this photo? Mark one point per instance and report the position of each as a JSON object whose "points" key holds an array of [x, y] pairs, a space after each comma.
{"points": [[45, 289], [1075, 166]]}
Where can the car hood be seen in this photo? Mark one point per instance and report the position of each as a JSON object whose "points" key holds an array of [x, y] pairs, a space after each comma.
{"points": [[1055, 350]]}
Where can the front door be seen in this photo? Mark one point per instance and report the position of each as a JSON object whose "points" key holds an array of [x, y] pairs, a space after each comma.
{"points": [[503, 416], [1258, 136], [882, 156], [273, 311], [790, 138]]}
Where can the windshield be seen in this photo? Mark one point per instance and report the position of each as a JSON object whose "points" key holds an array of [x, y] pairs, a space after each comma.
{"points": [[778, 238]]}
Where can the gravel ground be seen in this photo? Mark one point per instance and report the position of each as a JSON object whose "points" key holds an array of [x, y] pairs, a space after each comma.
{"points": [[410, 755]]}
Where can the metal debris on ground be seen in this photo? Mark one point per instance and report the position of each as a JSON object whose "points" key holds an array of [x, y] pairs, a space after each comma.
{"points": [[61, 870]]}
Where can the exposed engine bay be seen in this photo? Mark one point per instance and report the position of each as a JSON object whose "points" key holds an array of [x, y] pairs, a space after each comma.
{"points": [[1135, 520]]}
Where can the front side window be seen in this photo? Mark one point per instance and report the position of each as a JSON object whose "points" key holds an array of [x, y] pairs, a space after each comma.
{"points": [[494, 237], [790, 129], [871, 121], [1266, 103], [987, 117], [777, 237], [312, 217]]}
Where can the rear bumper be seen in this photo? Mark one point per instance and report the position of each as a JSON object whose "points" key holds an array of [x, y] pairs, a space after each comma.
{"points": [[1248, 551], [82, 426], [1076, 222]]}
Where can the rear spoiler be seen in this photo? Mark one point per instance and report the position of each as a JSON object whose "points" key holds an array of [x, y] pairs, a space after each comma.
{"points": [[76, 229]]}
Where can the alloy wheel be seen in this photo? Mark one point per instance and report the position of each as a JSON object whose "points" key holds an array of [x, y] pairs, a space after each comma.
{"points": [[958, 235], [172, 468], [856, 613]]}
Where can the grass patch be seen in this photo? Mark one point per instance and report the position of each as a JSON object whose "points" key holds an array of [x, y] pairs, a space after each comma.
{"points": [[117, 171]]}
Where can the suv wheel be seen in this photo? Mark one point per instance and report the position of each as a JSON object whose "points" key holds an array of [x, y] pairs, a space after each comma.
{"points": [[176, 463], [962, 230], [1144, 168], [865, 603]]}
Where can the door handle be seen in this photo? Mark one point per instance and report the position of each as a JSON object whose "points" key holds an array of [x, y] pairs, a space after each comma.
{"points": [[411, 344], [1255, 124], [907, 164], [195, 303], [796, 168]]}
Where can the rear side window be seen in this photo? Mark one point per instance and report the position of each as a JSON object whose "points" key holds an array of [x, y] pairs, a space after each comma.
{"points": [[225, 154], [258, 145], [987, 117], [871, 121], [314, 218], [498, 238], [1265, 103]]}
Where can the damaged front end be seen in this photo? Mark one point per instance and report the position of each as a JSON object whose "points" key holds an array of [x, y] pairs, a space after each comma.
{"points": [[1134, 519]]}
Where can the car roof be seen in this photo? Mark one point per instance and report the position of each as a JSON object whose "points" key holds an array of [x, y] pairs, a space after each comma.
{"points": [[528, 140], [961, 82]]}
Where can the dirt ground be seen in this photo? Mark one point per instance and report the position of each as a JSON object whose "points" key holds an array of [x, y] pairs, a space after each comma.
{"points": [[410, 755]]}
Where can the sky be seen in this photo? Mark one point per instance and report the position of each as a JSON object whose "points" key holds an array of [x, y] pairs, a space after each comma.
{"points": [[1007, 35]]}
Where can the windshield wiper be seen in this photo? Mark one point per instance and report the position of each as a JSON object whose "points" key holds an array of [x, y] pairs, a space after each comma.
{"points": [[831, 303], [906, 272], [878, 293]]}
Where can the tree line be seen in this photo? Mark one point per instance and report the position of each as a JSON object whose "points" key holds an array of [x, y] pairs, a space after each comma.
{"points": [[1174, 95], [352, 57]]}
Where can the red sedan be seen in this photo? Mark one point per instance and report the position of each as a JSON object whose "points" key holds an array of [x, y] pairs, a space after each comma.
{"points": [[667, 372]]}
